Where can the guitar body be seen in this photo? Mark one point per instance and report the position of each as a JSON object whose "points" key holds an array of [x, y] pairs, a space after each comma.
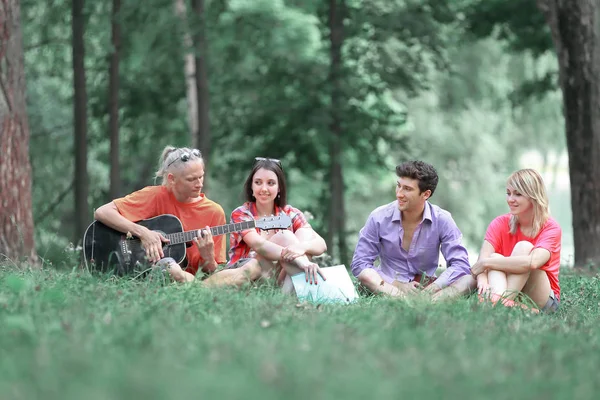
{"points": [[108, 250]]}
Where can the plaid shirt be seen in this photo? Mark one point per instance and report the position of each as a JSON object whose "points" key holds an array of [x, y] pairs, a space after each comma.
{"points": [[247, 212]]}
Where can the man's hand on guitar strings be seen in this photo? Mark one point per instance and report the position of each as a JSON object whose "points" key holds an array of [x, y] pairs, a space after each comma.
{"points": [[204, 242], [152, 242]]}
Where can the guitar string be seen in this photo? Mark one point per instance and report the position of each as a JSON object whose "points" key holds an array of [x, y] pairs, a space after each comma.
{"points": [[214, 232], [136, 244]]}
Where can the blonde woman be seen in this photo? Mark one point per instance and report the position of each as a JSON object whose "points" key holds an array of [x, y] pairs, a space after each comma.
{"points": [[521, 250]]}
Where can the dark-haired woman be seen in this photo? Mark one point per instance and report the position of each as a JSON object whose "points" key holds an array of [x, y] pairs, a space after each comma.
{"points": [[254, 253]]}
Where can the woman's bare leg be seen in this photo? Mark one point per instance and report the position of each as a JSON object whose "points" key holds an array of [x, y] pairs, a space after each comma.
{"points": [[538, 287], [285, 238], [253, 269], [516, 282], [260, 267], [281, 270], [248, 272], [497, 280], [302, 235]]}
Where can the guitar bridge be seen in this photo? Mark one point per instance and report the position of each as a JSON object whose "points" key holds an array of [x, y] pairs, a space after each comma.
{"points": [[125, 253]]}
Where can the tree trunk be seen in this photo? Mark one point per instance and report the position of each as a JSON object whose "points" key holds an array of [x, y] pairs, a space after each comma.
{"points": [[190, 73], [574, 27], [337, 228], [16, 218], [204, 139], [80, 122], [113, 103]]}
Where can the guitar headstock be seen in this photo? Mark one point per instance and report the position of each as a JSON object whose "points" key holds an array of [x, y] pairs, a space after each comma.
{"points": [[274, 222]]}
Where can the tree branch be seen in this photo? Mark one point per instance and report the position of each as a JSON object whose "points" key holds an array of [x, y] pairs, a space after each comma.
{"points": [[45, 42], [55, 203], [59, 129]]}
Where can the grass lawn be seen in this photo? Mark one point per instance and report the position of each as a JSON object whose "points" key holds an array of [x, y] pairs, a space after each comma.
{"points": [[74, 336]]}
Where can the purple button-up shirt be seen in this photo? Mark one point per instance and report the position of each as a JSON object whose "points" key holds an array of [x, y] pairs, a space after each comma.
{"points": [[382, 237]]}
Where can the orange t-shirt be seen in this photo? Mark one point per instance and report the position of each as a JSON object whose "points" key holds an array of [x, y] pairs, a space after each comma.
{"points": [[153, 201], [498, 235]]}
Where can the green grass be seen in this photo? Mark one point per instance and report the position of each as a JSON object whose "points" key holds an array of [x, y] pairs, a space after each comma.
{"points": [[74, 336]]}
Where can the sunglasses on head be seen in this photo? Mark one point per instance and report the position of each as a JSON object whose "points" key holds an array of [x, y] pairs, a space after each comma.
{"points": [[185, 157], [276, 161]]}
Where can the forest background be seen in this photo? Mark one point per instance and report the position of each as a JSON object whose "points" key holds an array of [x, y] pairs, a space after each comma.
{"points": [[340, 91]]}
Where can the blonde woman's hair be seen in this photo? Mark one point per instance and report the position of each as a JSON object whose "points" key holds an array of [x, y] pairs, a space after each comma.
{"points": [[529, 183], [171, 159]]}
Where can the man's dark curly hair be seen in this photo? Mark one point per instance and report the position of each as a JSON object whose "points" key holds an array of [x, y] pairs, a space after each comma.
{"points": [[421, 171]]}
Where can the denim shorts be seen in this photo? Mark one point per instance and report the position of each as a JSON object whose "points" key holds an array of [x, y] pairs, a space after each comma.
{"points": [[552, 304]]}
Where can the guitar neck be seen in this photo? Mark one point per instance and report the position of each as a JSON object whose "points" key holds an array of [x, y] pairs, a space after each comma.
{"points": [[184, 237]]}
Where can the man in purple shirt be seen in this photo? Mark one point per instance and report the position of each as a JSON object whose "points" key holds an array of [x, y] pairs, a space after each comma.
{"points": [[406, 235]]}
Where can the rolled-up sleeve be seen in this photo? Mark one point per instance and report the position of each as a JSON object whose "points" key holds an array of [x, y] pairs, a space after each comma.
{"points": [[367, 248], [454, 252]]}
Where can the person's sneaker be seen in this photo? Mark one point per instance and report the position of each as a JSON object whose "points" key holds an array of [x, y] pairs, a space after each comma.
{"points": [[159, 271], [164, 263]]}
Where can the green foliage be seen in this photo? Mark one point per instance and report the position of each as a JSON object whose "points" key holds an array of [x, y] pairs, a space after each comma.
{"points": [[412, 84], [55, 251], [519, 22], [466, 149], [400, 42], [521, 26], [468, 128], [68, 336]]}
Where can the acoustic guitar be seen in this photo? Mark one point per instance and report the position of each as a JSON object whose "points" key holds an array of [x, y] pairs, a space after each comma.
{"points": [[108, 250]]}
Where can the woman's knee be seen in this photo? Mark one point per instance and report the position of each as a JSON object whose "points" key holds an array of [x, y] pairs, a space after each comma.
{"points": [[522, 248], [284, 238], [493, 273], [497, 281]]}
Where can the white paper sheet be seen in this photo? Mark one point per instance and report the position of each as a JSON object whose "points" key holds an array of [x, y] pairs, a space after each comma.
{"points": [[338, 288]]}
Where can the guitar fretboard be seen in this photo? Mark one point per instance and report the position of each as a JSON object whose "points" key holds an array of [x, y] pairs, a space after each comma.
{"points": [[184, 237]]}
